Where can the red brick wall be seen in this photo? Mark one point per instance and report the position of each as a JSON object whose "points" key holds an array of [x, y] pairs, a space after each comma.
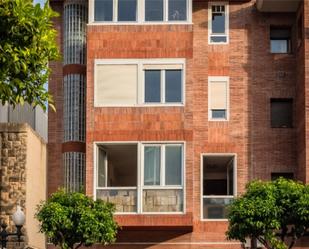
{"points": [[55, 119]]}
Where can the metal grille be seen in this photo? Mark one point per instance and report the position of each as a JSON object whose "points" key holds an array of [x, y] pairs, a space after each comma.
{"points": [[74, 171], [75, 21], [74, 107]]}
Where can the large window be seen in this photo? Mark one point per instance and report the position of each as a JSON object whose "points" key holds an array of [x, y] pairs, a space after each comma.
{"points": [[280, 40], [141, 11], [218, 98], [139, 82], [218, 184], [281, 113], [163, 86], [218, 22], [160, 188]]}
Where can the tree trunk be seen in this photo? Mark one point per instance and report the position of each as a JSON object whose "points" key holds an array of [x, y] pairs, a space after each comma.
{"points": [[253, 243]]}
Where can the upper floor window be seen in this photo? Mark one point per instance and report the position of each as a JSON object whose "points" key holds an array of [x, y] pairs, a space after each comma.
{"points": [[218, 98], [139, 82], [218, 22], [141, 11], [115, 10], [163, 86], [280, 40]]}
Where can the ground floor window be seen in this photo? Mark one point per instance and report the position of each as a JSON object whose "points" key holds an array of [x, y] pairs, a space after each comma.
{"points": [[218, 184], [141, 177]]}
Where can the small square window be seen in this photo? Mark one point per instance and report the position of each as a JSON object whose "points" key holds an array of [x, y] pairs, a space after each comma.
{"points": [[281, 113], [280, 40]]}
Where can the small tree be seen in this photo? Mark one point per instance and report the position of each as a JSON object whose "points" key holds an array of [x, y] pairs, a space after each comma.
{"points": [[72, 220], [274, 213], [27, 44]]}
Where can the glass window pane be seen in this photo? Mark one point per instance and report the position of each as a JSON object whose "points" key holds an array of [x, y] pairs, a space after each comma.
{"points": [[153, 10], [103, 10], [177, 10], [218, 23], [173, 86], [279, 46], [152, 86], [101, 168], [281, 113], [173, 165], [127, 10], [152, 157], [216, 208], [220, 114], [218, 39]]}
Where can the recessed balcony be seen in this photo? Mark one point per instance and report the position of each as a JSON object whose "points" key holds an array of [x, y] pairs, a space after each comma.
{"points": [[278, 5]]}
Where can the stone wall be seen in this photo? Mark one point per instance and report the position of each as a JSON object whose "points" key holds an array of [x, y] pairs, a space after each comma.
{"points": [[22, 156]]}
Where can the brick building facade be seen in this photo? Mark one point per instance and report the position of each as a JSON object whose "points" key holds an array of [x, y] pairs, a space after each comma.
{"points": [[168, 112]]}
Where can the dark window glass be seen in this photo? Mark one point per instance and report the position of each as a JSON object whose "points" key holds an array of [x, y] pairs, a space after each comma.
{"points": [[177, 10], [173, 85], [280, 40], [281, 113], [218, 38], [275, 176], [218, 23], [152, 86], [153, 10], [218, 114], [103, 10], [127, 10]]}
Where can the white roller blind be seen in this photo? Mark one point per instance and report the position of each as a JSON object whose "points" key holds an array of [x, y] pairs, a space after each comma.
{"points": [[218, 95], [116, 85]]}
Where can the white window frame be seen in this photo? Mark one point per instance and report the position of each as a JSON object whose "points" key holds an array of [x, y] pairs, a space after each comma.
{"points": [[140, 80], [227, 28], [163, 88], [216, 196], [212, 79], [140, 173], [140, 15]]}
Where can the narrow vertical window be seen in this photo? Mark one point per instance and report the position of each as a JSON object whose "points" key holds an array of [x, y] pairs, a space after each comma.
{"points": [[173, 86], [152, 86], [218, 23], [152, 164], [154, 10], [218, 98], [173, 165]]}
